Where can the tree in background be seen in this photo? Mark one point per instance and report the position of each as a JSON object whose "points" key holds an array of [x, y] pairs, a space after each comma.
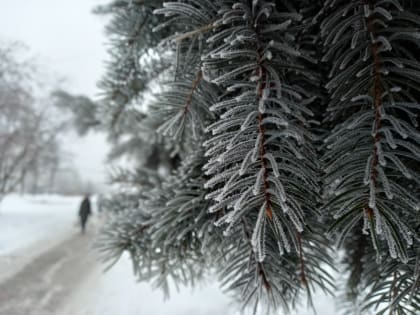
{"points": [[29, 143], [280, 131]]}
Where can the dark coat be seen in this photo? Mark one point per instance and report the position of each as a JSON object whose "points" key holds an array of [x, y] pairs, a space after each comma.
{"points": [[85, 211]]}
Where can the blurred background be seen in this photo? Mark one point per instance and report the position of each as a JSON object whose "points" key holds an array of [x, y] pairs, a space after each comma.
{"points": [[50, 45], [49, 163]]}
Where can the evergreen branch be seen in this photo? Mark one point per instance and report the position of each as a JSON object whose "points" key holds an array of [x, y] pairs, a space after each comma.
{"points": [[244, 88]]}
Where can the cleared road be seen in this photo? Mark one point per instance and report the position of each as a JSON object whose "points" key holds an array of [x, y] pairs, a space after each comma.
{"points": [[44, 284]]}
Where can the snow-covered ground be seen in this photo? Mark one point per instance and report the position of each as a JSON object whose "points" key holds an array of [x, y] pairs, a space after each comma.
{"points": [[26, 220], [31, 225], [117, 292], [40, 235]]}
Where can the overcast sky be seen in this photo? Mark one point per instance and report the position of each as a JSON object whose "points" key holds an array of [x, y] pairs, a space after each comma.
{"points": [[69, 41]]}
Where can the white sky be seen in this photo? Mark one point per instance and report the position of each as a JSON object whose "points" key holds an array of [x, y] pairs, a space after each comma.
{"points": [[69, 40]]}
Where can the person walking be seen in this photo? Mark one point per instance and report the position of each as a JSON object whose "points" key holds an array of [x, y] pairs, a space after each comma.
{"points": [[84, 212]]}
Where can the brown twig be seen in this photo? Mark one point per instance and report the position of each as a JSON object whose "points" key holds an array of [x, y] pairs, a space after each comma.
{"points": [[261, 131], [199, 30], [302, 262], [260, 268], [194, 86], [377, 94]]}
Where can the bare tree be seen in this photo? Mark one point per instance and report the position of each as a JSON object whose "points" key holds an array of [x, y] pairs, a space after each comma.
{"points": [[29, 143]]}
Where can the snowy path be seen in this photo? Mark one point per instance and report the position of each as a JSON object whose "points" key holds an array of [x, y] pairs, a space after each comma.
{"points": [[44, 284], [48, 268], [68, 280]]}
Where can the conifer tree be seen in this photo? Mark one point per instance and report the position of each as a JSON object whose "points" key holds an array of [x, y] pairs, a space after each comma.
{"points": [[280, 132]]}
